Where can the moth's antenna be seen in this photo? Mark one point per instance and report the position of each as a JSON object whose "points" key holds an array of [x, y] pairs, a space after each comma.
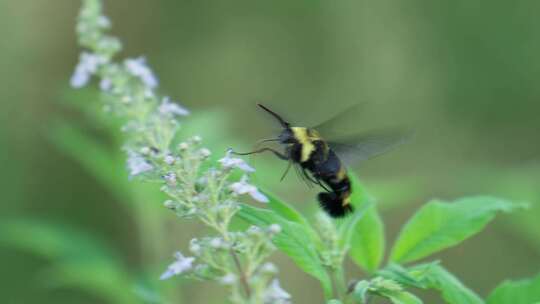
{"points": [[283, 123]]}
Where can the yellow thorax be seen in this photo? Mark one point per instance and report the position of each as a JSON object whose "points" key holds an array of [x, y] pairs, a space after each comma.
{"points": [[306, 137]]}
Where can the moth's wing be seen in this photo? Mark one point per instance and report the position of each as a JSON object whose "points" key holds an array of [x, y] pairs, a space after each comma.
{"points": [[357, 148], [341, 123]]}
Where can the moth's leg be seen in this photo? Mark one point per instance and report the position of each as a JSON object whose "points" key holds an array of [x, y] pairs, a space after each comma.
{"points": [[262, 141], [277, 153], [286, 170], [314, 180], [323, 186], [302, 176]]}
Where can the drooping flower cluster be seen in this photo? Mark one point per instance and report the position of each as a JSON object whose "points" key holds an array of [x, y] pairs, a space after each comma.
{"points": [[209, 195], [196, 186], [275, 294], [212, 260], [181, 265], [87, 66], [138, 68]]}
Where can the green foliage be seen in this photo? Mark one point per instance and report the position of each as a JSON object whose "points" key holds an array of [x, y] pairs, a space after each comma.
{"points": [[285, 210], [433, 275], [77, 260], [360, 291], [299, 240], [94, 156], [525, 291], [100, 159], [435, 226], [402, 297], [386, 288], [439, 225], [85, 103], [131, 94], [350, 225], [367, 243], [294, 240], [401, 275]]}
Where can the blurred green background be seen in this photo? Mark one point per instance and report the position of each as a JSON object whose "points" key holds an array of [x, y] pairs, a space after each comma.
{"points": [[463, 73]]}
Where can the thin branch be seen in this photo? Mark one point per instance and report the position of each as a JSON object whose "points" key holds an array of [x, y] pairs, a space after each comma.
{"points": [[243, 278]]}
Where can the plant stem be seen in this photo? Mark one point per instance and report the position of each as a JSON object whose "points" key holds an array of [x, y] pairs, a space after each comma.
{"points": [[341, 284], [223, 229], [243, 278], [338, 282]]}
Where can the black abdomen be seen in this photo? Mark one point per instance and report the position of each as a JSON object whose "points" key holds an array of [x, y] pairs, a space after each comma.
{"points": [[333, 204], [332, 172], [325, 166]]}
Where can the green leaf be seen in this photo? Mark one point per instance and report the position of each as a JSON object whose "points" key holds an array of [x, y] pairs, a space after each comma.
{"points": [[289, 213], [401, 275], [77, 260], [347, 229], [86, 102], [96, 276], [516, 292], [360, 292], [393, 291], [152, 291], [402, 297], [437, 277], [439, 225], [105, 164], [51, 241], [284, 209], [367, 241], [295, 240], [334, 301]]}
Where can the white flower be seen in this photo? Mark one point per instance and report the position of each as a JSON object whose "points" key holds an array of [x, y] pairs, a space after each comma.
{"points": [[274, 294], [229, 162], [168, 107], [103, 22], [216, 243], [274, 228], [149, 93], [80, 78], [269, 268], [181, 265], [137, 164], [254, 230], [169, 204], [126, 99], [205, 153], [228, 279], [183, 146], [105, 84], [138, 68], [201, 197], [169, 159], [145, 150], [242, 187], [170, 178], [195, 247], [87, 66]]}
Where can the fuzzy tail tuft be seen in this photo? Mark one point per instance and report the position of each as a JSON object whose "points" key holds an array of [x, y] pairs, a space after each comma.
{"points": [[333, 204]]}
